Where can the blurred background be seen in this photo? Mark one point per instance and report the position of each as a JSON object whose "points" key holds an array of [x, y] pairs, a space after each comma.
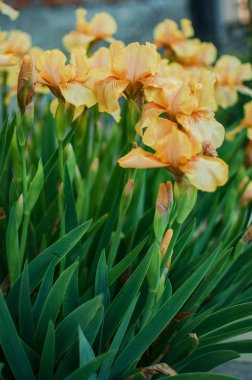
{"points": [[227, 23]]}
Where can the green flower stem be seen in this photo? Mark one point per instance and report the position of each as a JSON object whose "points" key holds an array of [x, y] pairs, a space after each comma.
{"points": [[132, 117], [61, 186]]}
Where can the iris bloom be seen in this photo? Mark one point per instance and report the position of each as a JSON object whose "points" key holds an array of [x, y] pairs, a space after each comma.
{"points": [[179, 45], [190, 102], [7, 10], [66, 81], [131, 67], [231, 74], [101, 27], [15, 42], [180, 154], [26, 83]]}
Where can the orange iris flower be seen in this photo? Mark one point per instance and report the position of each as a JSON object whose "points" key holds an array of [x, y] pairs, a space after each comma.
{"points": [[14, 42], [101, 27], [180, 154], [66, 81], [178, 44], [131, 67], [190, 102], [231, 74]]}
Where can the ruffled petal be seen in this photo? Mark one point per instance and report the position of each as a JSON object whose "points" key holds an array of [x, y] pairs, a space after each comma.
{"points": [[79, 61], [206, 173], [204, 127], [157, 130], [78, 95], [103, 25], [150, 112], [175, 148], [51, 66], [108, 92], [140, 159], [135, 61]]}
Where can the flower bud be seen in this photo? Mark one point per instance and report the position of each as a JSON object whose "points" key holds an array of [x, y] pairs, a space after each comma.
{"points": [[185, 197], [26, 83], [208, 149], [247, 237], [245, 240], [165, 244], [163, 208]]}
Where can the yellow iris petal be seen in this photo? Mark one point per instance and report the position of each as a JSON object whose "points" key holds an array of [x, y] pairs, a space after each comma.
{"points": [[140, 159], [206, 173]]}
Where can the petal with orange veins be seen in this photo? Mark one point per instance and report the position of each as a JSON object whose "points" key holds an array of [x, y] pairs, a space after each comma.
{"points": [[78, 95], [204, 127], [135, 61], [100, 59], [157, 130], [95, 75], [150, 112], [140, 159], [175, 149], [50, 64], [79, 60], [108, 92], [205, 90], [206, 173], [179, 98]]}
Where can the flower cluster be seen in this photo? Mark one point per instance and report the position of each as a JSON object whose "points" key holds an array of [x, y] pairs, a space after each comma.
{"points": [[174, 101]]}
